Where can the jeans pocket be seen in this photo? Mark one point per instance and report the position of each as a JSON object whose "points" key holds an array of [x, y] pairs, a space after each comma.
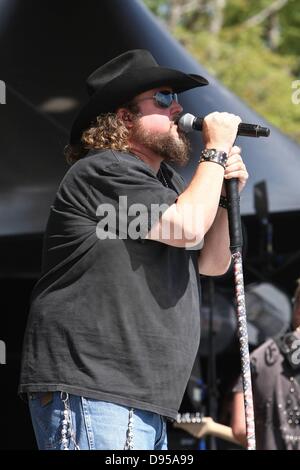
{"points": [[46, 418]]}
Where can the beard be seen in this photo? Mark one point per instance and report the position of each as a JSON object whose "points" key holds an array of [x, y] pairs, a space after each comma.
{"points": [[172, 148]]}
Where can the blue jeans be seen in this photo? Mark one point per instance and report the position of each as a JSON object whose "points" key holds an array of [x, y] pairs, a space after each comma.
{"points": [[63, 421]]}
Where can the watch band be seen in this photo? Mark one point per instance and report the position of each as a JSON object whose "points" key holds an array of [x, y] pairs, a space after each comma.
{"points": [[215, 156]]}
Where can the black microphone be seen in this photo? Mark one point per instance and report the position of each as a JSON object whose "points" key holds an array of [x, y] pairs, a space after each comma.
{"points": [[187, 123]]}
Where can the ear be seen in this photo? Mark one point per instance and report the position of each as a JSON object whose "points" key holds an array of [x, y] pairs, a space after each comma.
{"points": [[126, 116]]}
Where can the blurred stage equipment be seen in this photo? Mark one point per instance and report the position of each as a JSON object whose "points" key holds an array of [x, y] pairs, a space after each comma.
{"points": [[268, 312], [218, 327], [223, 323], [261, 205]]}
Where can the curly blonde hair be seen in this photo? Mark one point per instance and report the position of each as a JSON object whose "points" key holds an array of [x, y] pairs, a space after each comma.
{"points": [[108, 131]]}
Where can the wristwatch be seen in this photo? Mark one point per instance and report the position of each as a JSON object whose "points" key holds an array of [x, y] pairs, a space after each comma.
{"points": [[214, 155]]}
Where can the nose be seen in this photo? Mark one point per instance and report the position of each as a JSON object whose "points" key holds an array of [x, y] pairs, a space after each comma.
{"points": [[176, 107]]}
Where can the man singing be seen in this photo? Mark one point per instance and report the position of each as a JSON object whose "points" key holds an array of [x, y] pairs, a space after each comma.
{"points": [[114, 324]]}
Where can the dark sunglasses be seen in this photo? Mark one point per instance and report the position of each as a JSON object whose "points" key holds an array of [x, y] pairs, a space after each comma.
{"points": [[163, 99]]}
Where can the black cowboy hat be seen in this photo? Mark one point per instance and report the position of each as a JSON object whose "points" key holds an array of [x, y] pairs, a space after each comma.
{"points": [[119, 80]]}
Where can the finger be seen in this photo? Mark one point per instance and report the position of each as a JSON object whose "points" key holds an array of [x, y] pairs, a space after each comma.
{"points": [[240, 174], [235, 166], [235, 150], [234, 159]]}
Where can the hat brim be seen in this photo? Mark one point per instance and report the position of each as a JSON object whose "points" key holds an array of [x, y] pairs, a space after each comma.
{"points": [[125, 87]]}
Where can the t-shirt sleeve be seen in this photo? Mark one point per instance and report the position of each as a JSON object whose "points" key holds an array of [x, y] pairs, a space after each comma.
{"points": [[134, 193]]}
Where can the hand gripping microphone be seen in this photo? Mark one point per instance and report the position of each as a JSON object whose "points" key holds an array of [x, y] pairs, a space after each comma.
{"points": [[187, 123]]}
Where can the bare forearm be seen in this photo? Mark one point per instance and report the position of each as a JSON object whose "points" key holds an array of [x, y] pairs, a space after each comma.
{"points": [[215, 256], [190, 218], [238, 422], [202, 196]]}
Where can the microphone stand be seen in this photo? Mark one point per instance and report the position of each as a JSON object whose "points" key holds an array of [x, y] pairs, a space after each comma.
{"points": [[236, 243]]}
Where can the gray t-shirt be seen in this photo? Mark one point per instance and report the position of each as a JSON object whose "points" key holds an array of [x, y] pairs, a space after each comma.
{"points": [[112, 319], [276, 396]]}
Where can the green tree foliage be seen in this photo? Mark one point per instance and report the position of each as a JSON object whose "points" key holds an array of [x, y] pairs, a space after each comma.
{"points": [[290, 21], [253, 48]]}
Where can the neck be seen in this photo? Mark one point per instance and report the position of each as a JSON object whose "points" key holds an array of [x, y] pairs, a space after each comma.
{"points": [[150, 158]]}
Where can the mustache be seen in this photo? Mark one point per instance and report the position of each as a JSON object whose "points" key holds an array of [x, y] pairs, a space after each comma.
{"points": [[176, 118], [180, 132]]}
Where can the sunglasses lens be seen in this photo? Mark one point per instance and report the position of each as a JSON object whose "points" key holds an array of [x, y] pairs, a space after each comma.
{"points": [[165, 99]]}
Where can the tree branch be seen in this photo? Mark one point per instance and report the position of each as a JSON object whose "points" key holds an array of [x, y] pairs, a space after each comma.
{"points": [[180, 8], [264, 14]]}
